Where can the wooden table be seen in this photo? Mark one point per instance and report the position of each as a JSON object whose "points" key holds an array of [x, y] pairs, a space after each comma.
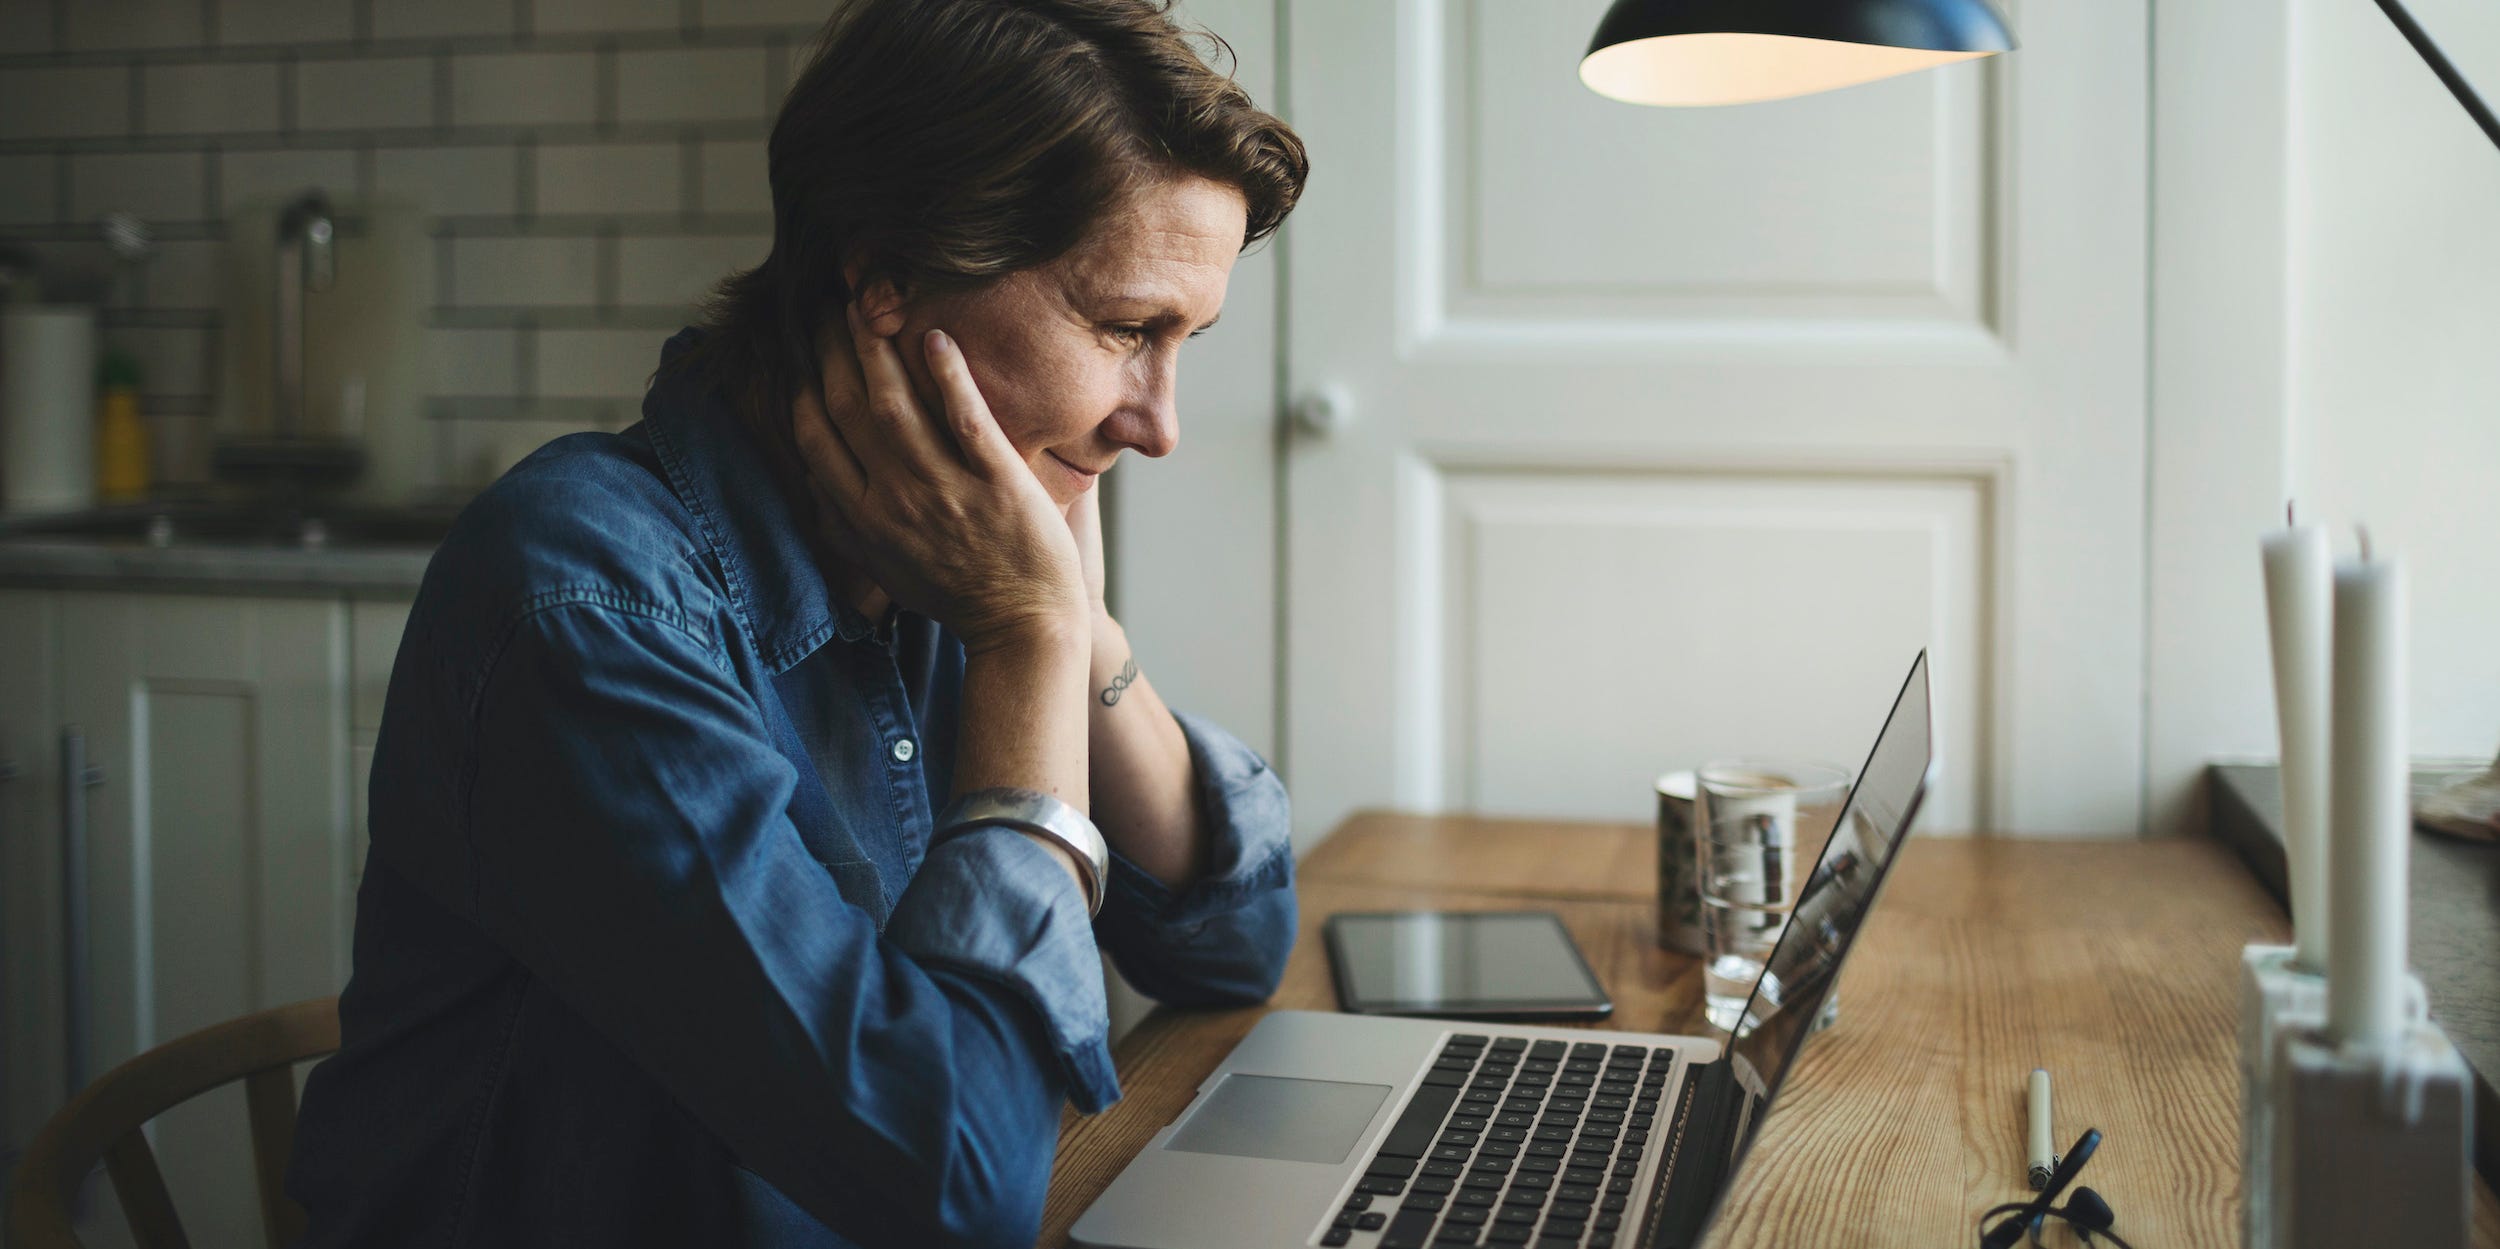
{"points": [[2113, 964]]}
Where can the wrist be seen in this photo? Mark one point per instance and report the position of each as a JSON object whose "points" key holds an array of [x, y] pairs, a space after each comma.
{"points": [[1038, 636], [1055, 824], [1104, 636]]}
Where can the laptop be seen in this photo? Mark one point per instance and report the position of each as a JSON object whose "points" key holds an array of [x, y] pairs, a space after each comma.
{"points": [[1386, 1133]]}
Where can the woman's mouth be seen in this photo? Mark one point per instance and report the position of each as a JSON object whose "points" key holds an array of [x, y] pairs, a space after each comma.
{"points": [[1081, 479]]}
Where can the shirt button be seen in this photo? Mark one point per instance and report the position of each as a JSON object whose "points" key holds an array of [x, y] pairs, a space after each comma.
{"points": [[903, 750]]}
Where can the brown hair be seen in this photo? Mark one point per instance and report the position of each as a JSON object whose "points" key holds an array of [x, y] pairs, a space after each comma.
{"points": [[947, 143]]}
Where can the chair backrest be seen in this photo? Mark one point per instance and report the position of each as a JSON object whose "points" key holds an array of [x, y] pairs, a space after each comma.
{"points": [[103, 1122]]}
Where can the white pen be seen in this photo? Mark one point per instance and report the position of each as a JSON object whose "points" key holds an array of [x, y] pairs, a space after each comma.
{"points": [[2043, 1153]]}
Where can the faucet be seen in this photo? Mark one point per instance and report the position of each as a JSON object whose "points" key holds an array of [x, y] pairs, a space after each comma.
{"points": [[306, 262]]}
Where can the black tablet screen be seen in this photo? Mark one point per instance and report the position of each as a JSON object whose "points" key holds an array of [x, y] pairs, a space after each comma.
{"points": [[1442, 963]]}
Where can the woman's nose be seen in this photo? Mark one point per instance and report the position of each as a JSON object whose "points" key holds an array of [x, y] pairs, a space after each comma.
{"points": [[1150, 425]]}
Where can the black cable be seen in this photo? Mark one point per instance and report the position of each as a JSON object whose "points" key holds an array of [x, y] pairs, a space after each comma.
{"points": [[2059, 1213], [2446, 70]]}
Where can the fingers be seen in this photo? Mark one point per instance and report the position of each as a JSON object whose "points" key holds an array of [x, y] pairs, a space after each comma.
{"points": [[901, 430], [968, 416], [827, 456]]}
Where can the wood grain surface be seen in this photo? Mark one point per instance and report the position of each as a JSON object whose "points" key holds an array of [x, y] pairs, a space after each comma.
{"points": [[1520, 858], [2113, 964]]}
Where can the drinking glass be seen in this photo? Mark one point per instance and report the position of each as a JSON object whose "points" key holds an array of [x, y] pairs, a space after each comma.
{"points": [[1758, 826]]}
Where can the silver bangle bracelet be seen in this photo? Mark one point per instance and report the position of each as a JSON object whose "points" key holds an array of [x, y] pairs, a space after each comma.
{"points": [[1032, 811]]}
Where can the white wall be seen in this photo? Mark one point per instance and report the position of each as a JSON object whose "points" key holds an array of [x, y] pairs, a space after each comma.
{"points": [[2326, 302], [2395, 320], [2326, 289], [1192, 537]]}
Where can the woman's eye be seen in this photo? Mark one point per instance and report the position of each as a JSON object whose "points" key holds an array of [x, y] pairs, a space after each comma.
{"points": [[1137, 335]]}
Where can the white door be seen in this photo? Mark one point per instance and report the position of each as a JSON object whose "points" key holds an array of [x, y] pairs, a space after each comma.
{"points": [[33, 1078], [217, 842], [1670, 434]]}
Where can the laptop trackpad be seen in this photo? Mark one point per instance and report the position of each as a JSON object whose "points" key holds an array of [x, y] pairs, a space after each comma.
{"points": [[1282, 1118]]}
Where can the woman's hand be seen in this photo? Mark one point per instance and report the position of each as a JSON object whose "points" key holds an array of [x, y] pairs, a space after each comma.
{"points": [[937, 509], [1085, 522]]}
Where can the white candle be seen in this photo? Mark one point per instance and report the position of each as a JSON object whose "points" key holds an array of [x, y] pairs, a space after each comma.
{"points": [[2368, 805], [2299, 580]]}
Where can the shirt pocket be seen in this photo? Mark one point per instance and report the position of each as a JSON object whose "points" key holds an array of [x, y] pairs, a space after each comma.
{"points": [[862, 885]]}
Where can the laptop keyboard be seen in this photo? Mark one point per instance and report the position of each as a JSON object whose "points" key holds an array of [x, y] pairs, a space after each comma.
{"points": [[1512, 1142]]}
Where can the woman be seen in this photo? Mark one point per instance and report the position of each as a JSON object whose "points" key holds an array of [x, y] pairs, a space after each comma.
{"points": [[731, 875]]}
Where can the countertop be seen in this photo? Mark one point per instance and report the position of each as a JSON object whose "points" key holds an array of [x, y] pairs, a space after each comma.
{"points": [[108, 549]]}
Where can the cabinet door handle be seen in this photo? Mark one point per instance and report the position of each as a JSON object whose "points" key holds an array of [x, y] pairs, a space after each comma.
{"points": [[77, 777]]}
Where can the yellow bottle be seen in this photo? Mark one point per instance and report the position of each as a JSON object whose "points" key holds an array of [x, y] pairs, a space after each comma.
{"points": [[121, 437]]}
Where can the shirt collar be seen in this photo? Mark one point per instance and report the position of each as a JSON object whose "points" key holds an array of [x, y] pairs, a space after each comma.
{"points": [[717, 471]]}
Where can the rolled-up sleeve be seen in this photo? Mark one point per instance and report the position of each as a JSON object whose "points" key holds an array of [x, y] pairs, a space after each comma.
{"points": [[972, 907], [632, 848], [1223, 940]]}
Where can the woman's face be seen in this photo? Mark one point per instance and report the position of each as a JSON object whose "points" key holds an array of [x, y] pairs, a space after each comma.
{"points": [[1078, 357]]}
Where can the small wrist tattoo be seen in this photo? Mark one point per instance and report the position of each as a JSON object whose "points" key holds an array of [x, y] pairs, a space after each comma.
{"points": [[1119, 684]]}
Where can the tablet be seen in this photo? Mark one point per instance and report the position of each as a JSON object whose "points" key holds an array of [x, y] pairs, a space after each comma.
{"points": [[1462, 965]]}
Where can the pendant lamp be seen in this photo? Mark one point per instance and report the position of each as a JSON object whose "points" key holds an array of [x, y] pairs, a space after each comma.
{"points": [[1687, 52]]}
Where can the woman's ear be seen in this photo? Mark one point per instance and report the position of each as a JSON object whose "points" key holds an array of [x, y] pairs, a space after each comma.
{"points": [[881, 302]]}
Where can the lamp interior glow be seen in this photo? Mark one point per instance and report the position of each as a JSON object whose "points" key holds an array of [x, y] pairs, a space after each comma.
{"points": [[1733, 68]]}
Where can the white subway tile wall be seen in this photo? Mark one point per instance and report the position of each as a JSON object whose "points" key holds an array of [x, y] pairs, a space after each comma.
{"points": [[525, 89], [371, 93], [274, 22], [576, 16], [187, 275], [239, 97], [67, 102], [480, 181], [434, 19], [111, 25], [671, 272], [590, 169], [473, 362], [250, 177], [583, 178], [595, 364], [159, 186], [521, 273], [691, 84], [26, 27], [735, 178], [173, 362], [30, 189]]}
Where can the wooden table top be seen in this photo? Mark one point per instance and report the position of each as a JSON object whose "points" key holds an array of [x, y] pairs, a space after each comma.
{"points": [[2114, 964]]}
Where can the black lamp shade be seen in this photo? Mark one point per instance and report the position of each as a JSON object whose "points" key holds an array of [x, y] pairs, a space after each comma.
{"points": [[1735, 51]]}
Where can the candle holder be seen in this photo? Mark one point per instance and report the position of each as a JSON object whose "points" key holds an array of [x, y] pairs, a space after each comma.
{"points": [[2277, 998], [2372, 1146]]}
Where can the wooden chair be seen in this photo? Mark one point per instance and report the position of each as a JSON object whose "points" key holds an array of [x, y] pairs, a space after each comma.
{"points": [[103, 1121]]}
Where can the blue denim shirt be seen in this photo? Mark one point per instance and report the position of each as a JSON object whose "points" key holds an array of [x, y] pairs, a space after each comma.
{"points": [[652, 946]]}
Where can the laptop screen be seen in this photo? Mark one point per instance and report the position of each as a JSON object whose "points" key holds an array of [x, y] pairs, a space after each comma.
{"points": [[1798, 978]]}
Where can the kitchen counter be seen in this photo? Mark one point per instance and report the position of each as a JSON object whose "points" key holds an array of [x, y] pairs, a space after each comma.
{"points": [[196, 549]]}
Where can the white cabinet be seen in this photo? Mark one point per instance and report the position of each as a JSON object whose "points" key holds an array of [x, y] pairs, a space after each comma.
{"points": [[227, 737], [32, 1036]]}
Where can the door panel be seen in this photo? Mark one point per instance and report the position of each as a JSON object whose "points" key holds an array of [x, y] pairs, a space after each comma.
{"points": [[217, 841], [1866, 572], [31, 1070], [1649, 361]]}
